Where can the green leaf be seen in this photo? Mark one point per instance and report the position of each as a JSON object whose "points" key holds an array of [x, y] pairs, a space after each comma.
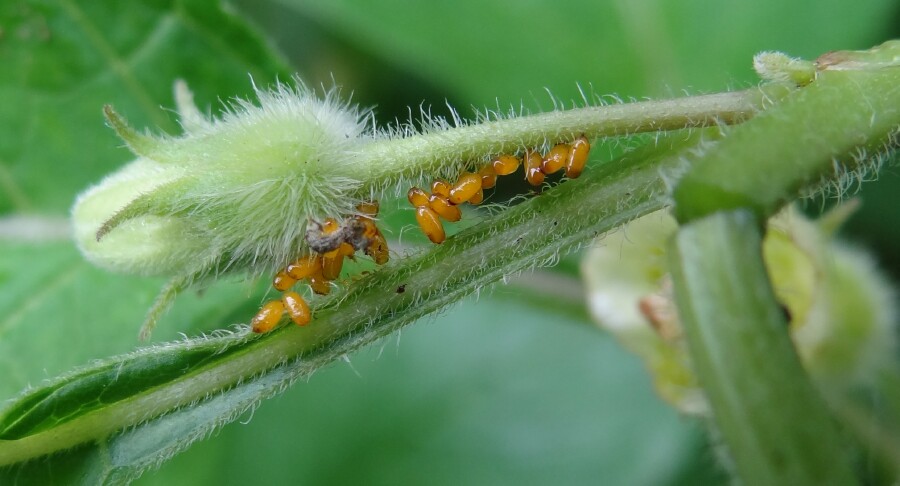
{"points": [[52, 279], [64, 60], [483, 50]]}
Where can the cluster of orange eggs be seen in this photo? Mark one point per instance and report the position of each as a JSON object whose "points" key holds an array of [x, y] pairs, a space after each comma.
{"points": [[331, 241], [469, 187]]}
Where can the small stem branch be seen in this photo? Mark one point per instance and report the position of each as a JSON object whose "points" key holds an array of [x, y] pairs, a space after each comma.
{"points": [[775, 425]]}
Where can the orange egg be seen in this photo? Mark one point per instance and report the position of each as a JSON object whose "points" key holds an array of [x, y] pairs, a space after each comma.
{"points": [[556, 158], [466, 187], [430, 224], [441, 188], [283, 281], [297, 308], [319, 283], [332, 262], [442, 206], [578, 157], [488, 177], [417, 197], [303, 267], [505, 164], [533, 173], [478, 198], [370, 229], [346, 249], [378, 249], [330, 226], [267, 317], [368, 208]]}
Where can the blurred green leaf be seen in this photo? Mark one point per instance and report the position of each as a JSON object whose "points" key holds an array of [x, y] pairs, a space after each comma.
{"points": [[483, 50], [93, 313], [62, 61]]}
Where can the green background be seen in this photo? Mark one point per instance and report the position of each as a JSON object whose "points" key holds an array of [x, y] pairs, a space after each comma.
{"points": [[516, 386]]}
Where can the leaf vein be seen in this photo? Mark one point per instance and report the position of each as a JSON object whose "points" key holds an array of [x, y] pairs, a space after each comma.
{"points": [[116, 64]]}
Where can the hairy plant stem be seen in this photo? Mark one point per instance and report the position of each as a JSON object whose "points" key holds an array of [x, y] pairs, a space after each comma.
{"points": [[532, 233], [775, 425], [826, 131], [428, 153]]}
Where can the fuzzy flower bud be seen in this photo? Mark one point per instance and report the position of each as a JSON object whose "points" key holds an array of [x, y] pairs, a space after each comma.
{"points": [[232, 194], [145, 244]]}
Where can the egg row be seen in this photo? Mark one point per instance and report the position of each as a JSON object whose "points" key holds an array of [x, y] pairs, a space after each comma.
{"points": [[469, 187]]}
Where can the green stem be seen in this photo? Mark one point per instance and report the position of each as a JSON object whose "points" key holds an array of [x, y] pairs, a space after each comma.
{"points": [[530, 234], [821, 133], [428, 153], [775, 425]]}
